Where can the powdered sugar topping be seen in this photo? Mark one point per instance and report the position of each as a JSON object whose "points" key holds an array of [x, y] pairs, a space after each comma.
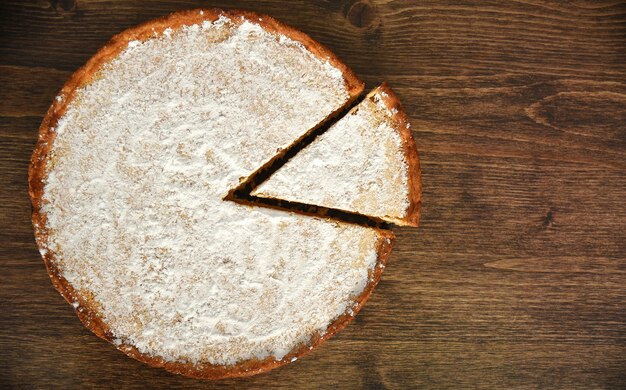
{"points": [[134, 198]]}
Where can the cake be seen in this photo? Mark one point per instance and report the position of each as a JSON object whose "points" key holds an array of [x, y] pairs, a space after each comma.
{"points": [[346, 167], [131, 182]]}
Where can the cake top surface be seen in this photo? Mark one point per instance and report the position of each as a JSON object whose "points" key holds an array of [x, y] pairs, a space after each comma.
{"points": [[132, 215], [227, 78], [359, 164]]}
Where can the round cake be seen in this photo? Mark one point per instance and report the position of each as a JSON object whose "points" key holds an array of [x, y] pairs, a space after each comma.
{"points": [[130, 183]]}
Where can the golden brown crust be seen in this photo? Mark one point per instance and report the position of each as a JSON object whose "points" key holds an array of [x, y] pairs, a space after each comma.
{"points": [[86, 308], [401, 124]]}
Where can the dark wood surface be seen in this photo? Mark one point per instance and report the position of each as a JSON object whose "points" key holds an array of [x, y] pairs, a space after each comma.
{"points": [[516, 277]]}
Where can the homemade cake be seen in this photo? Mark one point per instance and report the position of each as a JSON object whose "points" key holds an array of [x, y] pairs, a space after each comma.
{"points": [[128, 183], [365, 163]]}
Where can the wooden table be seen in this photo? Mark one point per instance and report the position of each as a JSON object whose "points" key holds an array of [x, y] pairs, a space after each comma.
{"points": [[516, 277]]}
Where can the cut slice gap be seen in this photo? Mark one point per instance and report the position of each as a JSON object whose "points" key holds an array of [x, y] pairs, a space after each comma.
{"points": [[312, 211], [247, 185], [363, 166], [242, 193]]}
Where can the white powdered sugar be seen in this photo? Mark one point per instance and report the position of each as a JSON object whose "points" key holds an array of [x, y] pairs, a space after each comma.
{"points": [[357, 165], [134, 192]]}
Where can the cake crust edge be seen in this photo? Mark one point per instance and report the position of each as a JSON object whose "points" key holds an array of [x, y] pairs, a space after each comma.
{"points": [[409, 149]]}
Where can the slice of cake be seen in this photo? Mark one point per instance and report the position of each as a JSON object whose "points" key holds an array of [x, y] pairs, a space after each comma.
{"points": [[366, 163]]}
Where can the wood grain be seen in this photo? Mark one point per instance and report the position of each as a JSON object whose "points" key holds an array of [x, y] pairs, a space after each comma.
{"points": [[516, 277]]}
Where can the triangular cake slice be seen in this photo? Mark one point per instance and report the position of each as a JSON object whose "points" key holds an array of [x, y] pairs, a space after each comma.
{"points": [[366, 163]]}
